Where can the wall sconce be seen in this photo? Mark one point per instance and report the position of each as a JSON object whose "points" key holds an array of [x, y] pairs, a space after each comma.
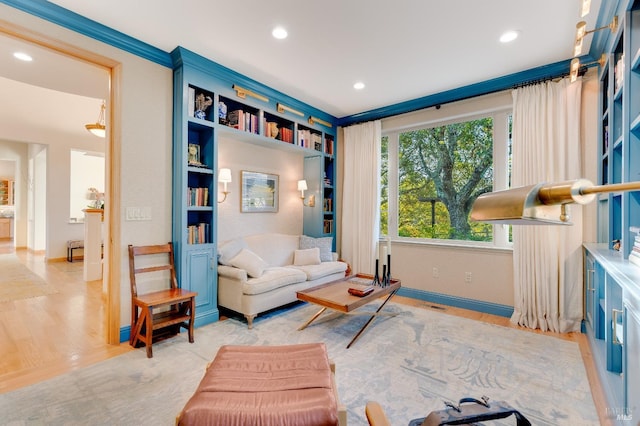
{"points": [[575, 66], [581, 32], [98, 128], [224, 177], [302, 186]]}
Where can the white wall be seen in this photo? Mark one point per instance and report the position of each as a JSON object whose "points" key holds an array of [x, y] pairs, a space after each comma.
{"points": [[239, 156], [87, 171]]}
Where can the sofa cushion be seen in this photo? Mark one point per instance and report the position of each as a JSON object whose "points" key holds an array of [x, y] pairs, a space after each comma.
{"points": [[250, 262], [229, 250], [314, 272], [324, 244], [273, 277], [306, 257]]}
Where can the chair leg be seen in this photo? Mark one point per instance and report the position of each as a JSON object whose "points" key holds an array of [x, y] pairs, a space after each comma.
{"points": [[149, 331], [192, 315]]}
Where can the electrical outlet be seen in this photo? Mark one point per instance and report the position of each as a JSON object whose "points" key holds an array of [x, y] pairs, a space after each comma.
{"points": [[467, 277], [436, 273]]}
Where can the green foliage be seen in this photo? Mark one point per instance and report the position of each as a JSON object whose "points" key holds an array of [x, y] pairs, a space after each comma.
{"points": [[442, 170]]}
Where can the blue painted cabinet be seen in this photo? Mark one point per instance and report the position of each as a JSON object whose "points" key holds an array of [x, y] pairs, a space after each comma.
{"points": [[612, 281], [194, 189]]}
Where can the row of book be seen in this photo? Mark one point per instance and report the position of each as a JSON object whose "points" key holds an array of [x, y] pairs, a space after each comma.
{"points": [[243, 120], [634, 255], [328, 205], [310, 140], [198, 234], [328, 146], [197, 197]]}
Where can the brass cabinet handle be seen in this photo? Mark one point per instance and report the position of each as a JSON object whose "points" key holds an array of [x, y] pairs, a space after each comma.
{"points": [[614, 322]]}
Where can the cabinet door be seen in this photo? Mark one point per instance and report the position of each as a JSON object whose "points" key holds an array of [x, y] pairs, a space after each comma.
{"points": [[201, 277], [632, 362]]}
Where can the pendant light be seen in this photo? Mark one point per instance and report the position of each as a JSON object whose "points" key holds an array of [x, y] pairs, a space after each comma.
{"points": [[98, 128]]}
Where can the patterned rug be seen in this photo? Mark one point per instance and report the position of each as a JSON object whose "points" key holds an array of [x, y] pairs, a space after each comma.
{"points": [[409, 363], [18, 282]]}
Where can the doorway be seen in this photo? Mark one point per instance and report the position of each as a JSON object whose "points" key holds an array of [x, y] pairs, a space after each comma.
{"points": [[56, 212]]}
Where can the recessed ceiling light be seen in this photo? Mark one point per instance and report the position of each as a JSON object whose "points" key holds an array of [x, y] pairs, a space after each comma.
{"points": [[509, 36], [279, 33], [23, 56], [358, 85]]}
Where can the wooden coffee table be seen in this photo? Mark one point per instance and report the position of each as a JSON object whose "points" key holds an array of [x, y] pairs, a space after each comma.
{"points": [[335, 296]]}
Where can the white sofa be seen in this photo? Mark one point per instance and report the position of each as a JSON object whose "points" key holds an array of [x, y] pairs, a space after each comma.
{"points": [[260, 272]]}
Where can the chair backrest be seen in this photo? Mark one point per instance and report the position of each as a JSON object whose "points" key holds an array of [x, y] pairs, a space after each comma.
{"points": [[154, 263]]}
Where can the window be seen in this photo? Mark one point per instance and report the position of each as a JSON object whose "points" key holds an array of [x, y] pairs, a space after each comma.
{"points": [[432, 173]]}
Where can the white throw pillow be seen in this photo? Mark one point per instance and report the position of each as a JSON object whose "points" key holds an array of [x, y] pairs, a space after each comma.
{"points": [[250, 262], [229, 250], [324, 244], [306, 257]]}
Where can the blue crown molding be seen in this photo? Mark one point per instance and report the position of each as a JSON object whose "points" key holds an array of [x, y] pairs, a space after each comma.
{"points": [[489, 86], [78, 23]]}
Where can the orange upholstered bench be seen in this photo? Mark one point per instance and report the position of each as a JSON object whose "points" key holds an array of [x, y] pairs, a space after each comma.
{"points": [[267, 385]]}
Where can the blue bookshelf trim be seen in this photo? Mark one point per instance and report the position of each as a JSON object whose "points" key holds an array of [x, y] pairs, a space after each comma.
{"points": [[458, 302], [78, 23]]}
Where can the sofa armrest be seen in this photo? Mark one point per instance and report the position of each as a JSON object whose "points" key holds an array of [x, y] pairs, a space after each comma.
{"points": [[334, 256], [232, 272]]}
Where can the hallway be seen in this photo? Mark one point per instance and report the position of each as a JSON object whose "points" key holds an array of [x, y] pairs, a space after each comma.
{"points": [[45, 336]]}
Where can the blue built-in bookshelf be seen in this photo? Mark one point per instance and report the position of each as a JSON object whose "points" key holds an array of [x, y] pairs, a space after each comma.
{"points": [[211, 100], [612, 281]]}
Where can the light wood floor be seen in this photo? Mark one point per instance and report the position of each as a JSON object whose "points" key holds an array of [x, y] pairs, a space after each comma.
{"points": [[47, 336]]}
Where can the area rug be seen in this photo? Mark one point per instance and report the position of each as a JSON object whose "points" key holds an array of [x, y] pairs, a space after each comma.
{"points": [[18, 282], [409, 363]]}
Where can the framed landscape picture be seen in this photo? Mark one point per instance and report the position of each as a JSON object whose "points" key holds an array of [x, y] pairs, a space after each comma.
{"points": [[259, 192]]}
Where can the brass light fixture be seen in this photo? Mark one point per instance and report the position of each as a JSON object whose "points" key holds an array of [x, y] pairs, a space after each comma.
{"points": [[98, 128], [313, 120], [302, 186], [581, 32], [241, 92], [541, 204], [283, 108], [575, 65]]}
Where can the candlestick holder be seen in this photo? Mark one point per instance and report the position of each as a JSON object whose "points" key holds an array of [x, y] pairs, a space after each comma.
{"points": [[383, 281], [376, 277], [387, 277]]}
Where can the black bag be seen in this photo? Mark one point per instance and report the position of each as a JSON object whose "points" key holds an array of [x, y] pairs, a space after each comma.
{"points": [[463, 413]]}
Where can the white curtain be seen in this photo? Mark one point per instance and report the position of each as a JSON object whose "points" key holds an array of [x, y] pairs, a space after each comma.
{"points": [[547, 260], [361, 195]]}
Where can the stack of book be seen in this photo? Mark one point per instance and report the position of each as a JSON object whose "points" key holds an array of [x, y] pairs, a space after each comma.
{"points": [[634, 255]]}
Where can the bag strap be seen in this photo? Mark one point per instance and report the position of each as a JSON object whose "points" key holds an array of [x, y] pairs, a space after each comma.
{"points": [[474, 410]]}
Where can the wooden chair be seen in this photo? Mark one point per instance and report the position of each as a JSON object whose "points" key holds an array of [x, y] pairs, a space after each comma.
{"points": [[176, 307]]}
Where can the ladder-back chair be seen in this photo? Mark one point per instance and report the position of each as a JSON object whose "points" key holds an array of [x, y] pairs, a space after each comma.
{"points": [[175, 306]]}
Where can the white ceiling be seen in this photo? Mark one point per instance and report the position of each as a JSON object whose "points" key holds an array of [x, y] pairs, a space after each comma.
{"points": [[401, 50]]}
